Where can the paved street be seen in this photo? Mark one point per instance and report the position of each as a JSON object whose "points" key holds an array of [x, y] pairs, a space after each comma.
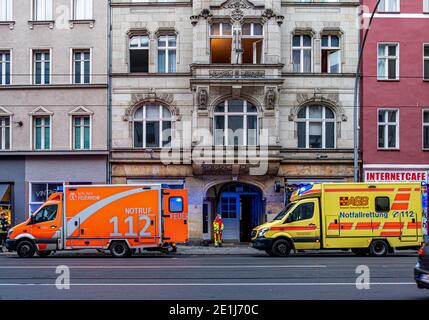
{"points": [[302, 276]]}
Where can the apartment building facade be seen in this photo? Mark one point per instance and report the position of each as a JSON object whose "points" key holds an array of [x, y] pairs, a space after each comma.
{"points": [[53, 99], [233, 100], [395, 93]]}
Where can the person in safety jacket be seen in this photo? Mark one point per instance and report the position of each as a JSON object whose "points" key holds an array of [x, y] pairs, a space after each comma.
{"points": [[4, 226], [217, 230]]}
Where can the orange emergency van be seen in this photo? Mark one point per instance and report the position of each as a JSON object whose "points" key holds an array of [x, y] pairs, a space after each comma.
{"points": [[368, 218], [119, 218]]}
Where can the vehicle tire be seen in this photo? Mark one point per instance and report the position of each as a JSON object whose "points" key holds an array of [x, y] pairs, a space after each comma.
{"points": [[281, 248], [120, 249], [25, 249], [44, 254], [378, 248], [360, 252]]}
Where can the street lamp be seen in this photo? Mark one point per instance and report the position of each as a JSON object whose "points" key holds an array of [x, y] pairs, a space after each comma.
{"points": [[356, 97]]}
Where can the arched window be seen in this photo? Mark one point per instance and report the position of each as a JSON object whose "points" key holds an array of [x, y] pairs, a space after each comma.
{"points": [[152, 126], [235, 123], [316, 127]]}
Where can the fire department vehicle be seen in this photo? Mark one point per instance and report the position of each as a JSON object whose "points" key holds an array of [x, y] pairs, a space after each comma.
{"points": [[121, 218], [368, 218]]}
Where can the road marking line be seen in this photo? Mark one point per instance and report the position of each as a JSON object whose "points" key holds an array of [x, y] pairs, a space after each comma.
{"points": [[209, 284], [167, 267]]}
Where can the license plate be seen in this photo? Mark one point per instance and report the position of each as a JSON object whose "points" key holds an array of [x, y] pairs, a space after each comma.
{"points": [[424, 278]]}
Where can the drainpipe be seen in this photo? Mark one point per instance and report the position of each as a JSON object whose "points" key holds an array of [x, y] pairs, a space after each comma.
{"points": [[109, 92], [356, 107]]}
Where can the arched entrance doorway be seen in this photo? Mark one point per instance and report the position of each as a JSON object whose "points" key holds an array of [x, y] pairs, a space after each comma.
{"points": [[241, 206]]}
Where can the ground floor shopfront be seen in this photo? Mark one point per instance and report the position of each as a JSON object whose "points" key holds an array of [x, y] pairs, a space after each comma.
{"points": [[243, 200], [27, 181]]}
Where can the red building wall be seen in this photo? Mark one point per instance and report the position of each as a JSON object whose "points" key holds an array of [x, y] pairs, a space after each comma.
{"points": [[410, 94]]}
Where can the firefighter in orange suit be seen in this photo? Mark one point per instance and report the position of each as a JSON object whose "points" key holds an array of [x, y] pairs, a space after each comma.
{"points": [[217, 230]]}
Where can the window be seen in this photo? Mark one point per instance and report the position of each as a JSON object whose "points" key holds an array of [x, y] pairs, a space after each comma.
{"points": [[251, 42], [425, 129], [42, 133], [426, 6], [42, 10], [331, 54], [4, 67], [81, 66], [388, 129], [82, 9], [301, 53], [139, 54], [5, 133], [303, 211], [47, 213], [426, 62], [167, 54], [382, 204], [41, 67], [40, 192], [175, 204], [316, 127], [221, 42], [81, 132], [152, 127], [5, 10], [389, 6], [388, 61], [235, 123]]}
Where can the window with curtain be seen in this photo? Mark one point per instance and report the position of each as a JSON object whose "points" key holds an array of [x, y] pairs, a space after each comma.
{"points": [[235, 123], [316, 127], [388, 129], [82, 10], [388, 61], [42, 10], [152, 126], [5, 133], [167, 49], [302, 53], [5, 10], [389, 6], [4, 67]]}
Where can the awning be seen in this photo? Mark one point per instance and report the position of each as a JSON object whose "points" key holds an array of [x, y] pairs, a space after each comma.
{"points": [[3, 190]]}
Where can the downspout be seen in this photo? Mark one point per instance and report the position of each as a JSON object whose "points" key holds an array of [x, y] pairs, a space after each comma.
{"points": [[109, 92], [356, 99]]}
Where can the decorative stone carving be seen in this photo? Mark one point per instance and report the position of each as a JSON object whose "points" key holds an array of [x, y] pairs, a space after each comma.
{"points": [[252, 74], [245, 74], [237, 4], [270, 99], [203, 98], [330, 99], [237, 15], [221, 74], [138, 99]]}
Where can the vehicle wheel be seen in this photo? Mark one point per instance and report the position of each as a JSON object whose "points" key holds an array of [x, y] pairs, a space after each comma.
{"points": [[120, 250], [378, 248], [25, 249], [44, 254], [281, 248], [360, 252]]}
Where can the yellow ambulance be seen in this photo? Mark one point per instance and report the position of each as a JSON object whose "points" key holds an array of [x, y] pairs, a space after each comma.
{"points": [[368, 218]]}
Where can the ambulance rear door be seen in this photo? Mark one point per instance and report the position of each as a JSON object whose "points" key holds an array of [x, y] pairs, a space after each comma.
{"points": [[175, 217]]}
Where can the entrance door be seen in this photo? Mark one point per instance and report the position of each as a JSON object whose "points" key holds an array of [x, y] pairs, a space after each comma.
{"points": [[229, 208]]}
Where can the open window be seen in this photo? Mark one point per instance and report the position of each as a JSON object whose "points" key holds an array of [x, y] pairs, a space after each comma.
{"points": [[331, 54], [220, 42], [251, 42], [139, 53]]}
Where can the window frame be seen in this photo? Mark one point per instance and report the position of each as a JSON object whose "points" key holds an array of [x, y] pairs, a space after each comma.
{"points": [[82, 136], [34, 11], [166, 49], [74, 7], [73, 66], [331, 48], [3, 129], [144, 120], [43, 136], [139, 47], [42, 75], [387, 58], [307, 120], [425, 58], [30, 194], [301, 49], [4, 63], [381, 197], [8, 11], [384, 2], [425, 6], [252, 35], [220, 36], [245, 114], [386, 124], [424, 125]]}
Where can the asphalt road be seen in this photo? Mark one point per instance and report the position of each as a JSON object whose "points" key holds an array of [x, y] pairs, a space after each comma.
{"points": [[241, 277]]}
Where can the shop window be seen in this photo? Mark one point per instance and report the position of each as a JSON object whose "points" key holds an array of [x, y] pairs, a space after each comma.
{"points": [[6, 201], [40, 192], [382, 204], [331, 54], [139, 53], [220, 42]]}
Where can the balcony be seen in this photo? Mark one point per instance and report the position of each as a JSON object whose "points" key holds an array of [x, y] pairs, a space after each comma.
{"points": [[231, 74]]}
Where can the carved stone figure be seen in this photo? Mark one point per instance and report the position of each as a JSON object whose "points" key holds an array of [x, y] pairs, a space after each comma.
{"points": [[203, 98], [270, 99]]}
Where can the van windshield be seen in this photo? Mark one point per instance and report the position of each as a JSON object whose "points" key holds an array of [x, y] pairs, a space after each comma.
{"points": [[282, 213]]}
